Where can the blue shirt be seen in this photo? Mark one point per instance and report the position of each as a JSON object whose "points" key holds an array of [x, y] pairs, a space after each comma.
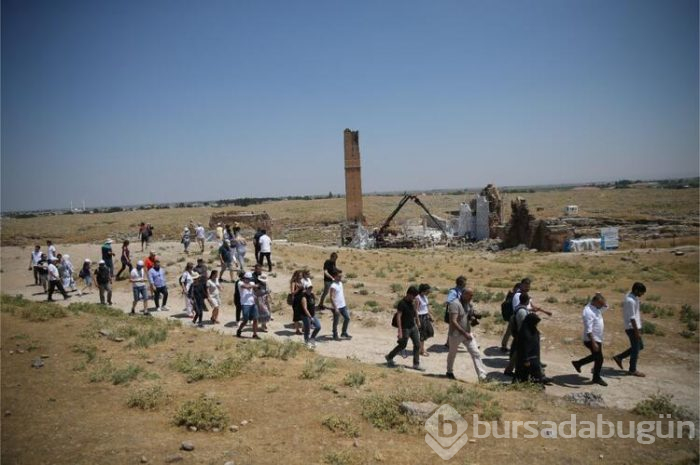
{"points": [[454, 294], [157, 277]]}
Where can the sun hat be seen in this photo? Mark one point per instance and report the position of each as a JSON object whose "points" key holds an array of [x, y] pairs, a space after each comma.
{"points": [[109, 241], [248, 275], [139, 263], [262, 278], [101, 262], [195, 275], [87, 260]]}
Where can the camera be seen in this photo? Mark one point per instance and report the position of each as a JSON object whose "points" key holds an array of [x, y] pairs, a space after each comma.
{"points": [[474, 319]]}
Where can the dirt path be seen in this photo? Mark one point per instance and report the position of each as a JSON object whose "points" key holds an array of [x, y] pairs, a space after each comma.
{"points": [[370, 344]]}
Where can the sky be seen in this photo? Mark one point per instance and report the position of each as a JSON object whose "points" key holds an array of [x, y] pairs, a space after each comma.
{"points": [[120, 102]]}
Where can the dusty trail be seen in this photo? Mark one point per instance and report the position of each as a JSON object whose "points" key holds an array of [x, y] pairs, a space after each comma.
{"points": [[370, 344]]}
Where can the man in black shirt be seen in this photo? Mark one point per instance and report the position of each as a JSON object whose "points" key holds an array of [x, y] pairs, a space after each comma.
{"points": [[407, 322], [329, 269]]}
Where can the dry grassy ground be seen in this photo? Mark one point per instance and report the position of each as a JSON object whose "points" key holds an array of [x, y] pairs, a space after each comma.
{"points": [[70, 411], [316, 221]]}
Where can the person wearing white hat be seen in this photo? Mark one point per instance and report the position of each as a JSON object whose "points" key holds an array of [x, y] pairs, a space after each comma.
{"points": [[86, 275], [67, 273], [185, 240], [55, 281], [138, 285], [246, 288], [107, 256], [104, 282]]}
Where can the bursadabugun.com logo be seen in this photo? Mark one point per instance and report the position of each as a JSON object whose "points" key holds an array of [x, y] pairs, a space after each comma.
{"points": [[447, 431]]}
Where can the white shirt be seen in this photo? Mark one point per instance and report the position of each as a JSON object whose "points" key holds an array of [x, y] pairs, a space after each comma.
{"points": [[186, 280], [51, 252], [593, 323], [53, 272], [338, 295], [247, 295], [199, 231], [306, 283], [265, 243], [36, 256], [630, 311], [516, 301], [213, 288], [422, 304], [138, 277]]}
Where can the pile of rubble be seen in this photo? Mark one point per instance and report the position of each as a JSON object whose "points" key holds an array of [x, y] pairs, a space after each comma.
{"points": [[253, 220]]}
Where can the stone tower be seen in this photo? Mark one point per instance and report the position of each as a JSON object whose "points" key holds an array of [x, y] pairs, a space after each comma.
{"points": [[353, 179]]}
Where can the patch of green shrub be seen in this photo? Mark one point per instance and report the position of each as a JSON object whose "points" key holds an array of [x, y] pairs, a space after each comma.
{"points": [[204, 412]]}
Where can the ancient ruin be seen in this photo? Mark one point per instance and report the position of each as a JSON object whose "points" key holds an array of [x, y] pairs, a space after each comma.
{"points": [[252, 220], [353, 177]]}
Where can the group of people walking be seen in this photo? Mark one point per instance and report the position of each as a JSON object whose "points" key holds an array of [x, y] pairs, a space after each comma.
{"points": [[413, 318]]}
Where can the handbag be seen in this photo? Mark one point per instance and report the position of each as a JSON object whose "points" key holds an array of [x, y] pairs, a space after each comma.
{"points": [[290, 298]]}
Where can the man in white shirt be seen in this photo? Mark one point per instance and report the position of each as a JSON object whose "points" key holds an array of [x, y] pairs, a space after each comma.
{"points": [[34, 263], [55, 281], [265, 250], [51, 253], [593, 326], [199, 234], [246, 289], [633, 328], [138, 283], [339, 306]]}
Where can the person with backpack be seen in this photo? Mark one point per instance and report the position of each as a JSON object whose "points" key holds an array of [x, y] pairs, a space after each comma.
{"points": [[104, 282], [527, 346], [186, 282], [454, 294], [406, 320], [307, 306], [522, 288], [506, 314], [86, 275]]}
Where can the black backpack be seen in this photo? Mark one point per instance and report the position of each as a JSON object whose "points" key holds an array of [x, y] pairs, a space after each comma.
{"points": [[507, 306]]}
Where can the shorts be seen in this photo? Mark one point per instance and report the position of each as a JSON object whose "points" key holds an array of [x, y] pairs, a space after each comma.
{"points": [[250, 312], [88, 280], [140, 293], [215, 301], [227, 266]]}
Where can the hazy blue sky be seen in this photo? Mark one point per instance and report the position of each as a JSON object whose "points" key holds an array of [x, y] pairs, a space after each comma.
{"points": [[122, 102]]}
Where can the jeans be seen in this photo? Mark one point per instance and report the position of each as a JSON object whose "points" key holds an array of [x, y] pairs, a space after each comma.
{"points": [[595, 357], [158, 292], [401, 344], [240, 258], [633, 352], [250, 312], [326, 288], [472, 348], [306, 320], [346, 320], [198, 301], [105, 288], [262, 256]]}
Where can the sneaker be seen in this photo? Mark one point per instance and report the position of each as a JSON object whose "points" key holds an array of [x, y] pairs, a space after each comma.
{"points": [[164, 309], [238, 334], [255, 336], [157, 309], [346, 336], [418, 368], [313, 343], [577, 367], [638, 374], [600, 381], [483, 379], [336, 338], [450, 375], [389, 362], [618, 361], [309, 345], [200, 325]]}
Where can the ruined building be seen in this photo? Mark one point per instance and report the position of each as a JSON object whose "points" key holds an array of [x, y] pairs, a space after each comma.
{"points": [[353, 179]]}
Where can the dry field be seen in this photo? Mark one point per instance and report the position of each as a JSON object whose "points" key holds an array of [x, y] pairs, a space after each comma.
{"points": [[77, 403], [316, 221]]}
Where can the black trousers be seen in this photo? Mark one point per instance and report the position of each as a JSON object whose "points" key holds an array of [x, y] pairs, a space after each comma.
{"points": [[401, 344], [53, 285], [124, 266], [158, 292], [262, 256], [595, 357]]}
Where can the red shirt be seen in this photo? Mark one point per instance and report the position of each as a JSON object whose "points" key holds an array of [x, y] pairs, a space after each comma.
{"points": [[148, 263]]}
